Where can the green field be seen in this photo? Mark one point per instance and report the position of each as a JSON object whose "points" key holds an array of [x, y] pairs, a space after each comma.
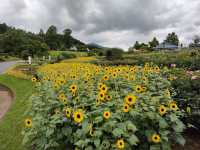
{"points": [[57, 53], [11, 125]]}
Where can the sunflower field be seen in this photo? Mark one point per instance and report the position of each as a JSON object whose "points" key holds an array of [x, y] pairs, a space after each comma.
{"points": [[85, 106]]}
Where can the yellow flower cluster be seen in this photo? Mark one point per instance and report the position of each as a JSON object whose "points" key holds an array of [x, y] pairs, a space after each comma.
{"points": [[103, 97]]}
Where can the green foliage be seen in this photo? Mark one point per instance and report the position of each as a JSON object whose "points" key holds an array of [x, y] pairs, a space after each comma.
{"points": [[11, 125], [172, 38], [20, 43], [182, 59], [52, 129], [114, 53], [154, 43]]}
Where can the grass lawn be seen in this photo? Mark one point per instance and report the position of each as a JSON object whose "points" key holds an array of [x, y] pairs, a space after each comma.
{"points": [[11, 125]]}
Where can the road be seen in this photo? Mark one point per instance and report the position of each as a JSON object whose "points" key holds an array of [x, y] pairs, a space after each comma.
{"points": [[6, 65]]}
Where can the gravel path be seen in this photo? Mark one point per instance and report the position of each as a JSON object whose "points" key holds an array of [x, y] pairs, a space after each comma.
{"points": [[6, 65], [5, 100]]}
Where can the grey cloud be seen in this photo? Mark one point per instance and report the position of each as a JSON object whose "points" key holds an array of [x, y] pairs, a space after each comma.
{"points": [[106, 21]]}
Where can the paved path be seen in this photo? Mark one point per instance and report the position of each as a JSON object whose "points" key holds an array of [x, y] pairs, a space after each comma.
{"points": [[6, 65]]}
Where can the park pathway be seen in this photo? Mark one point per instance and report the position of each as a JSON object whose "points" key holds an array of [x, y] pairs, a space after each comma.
{"points": [[6, 97], [5, 94], [6, 65]]}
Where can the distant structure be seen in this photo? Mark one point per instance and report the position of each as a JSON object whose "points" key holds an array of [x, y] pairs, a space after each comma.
{"points": [[166, 46], [73, 48]]}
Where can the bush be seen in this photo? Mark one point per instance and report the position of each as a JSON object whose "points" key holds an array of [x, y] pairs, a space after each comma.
{"points": [[114, 53], [187, 88], [83, 106]]}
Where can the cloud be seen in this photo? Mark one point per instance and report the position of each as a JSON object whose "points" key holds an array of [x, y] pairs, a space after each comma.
{"points": [[117, 23]]}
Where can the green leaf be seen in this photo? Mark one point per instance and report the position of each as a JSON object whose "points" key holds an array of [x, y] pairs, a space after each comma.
{"points": [[117, 132], [173, 117], [162, 123], [97, 142], [178, 127], [131, 127], [67, 131], [155, 147], [133, 140], [180, 140], [98, 119]]}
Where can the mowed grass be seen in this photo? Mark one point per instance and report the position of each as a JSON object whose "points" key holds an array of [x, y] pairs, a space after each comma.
{"points": [[12, 123]]}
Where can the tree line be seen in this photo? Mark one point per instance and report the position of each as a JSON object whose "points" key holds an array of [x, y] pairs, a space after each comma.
{"points": [[171, 38], [21, 43]]}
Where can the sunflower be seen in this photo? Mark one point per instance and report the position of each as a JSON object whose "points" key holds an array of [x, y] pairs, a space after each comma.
{"points": [[155, 138], [56, 86], [101, 96], [114, 75], [120, 144], [138, 89], [156, 69], [162, 110], [61, 81], [130, 99], [78, 116], [106, 114], [173, 106], [167, 92], [103, 88], [73, 88], [126, 108], [100, 85], [28, 122], [68, 112], [132, 69], [98, 101], [106, 77], [33, 79], [108, 97], [188, 109], [62, 96]]}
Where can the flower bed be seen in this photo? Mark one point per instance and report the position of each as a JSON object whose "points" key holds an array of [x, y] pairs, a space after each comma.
{"points": [[84, 106]]}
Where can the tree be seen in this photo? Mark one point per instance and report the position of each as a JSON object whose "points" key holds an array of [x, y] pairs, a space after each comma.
{"points": [[154, 43], [51, 38], [3, 28], [41, 34], [172, 38], [67, 39], [137, 45], [114, 53]]}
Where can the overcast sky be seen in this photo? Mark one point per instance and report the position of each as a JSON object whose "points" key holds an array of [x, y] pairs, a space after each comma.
{"points": [[116, 23]]}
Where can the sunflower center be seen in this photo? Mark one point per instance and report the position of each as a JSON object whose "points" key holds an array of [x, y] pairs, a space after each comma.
{"points": [[78, 116], [129, 99]]}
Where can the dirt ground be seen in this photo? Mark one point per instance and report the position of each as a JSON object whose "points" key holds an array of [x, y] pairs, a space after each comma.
{"points": [[5, 100], [192, 137]]}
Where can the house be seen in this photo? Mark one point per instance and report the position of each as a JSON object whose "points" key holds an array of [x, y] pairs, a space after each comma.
{"points": [[166, 46], [73, 48]]}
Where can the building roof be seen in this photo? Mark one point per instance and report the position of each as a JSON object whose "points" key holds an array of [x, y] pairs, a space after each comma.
{"points": [[166, 45]]}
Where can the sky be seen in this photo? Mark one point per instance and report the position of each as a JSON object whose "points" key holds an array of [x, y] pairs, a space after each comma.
{"points": [[113, 23]]}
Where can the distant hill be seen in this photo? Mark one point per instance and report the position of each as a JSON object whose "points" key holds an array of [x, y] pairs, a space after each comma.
{"points": [[95, 45]]}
